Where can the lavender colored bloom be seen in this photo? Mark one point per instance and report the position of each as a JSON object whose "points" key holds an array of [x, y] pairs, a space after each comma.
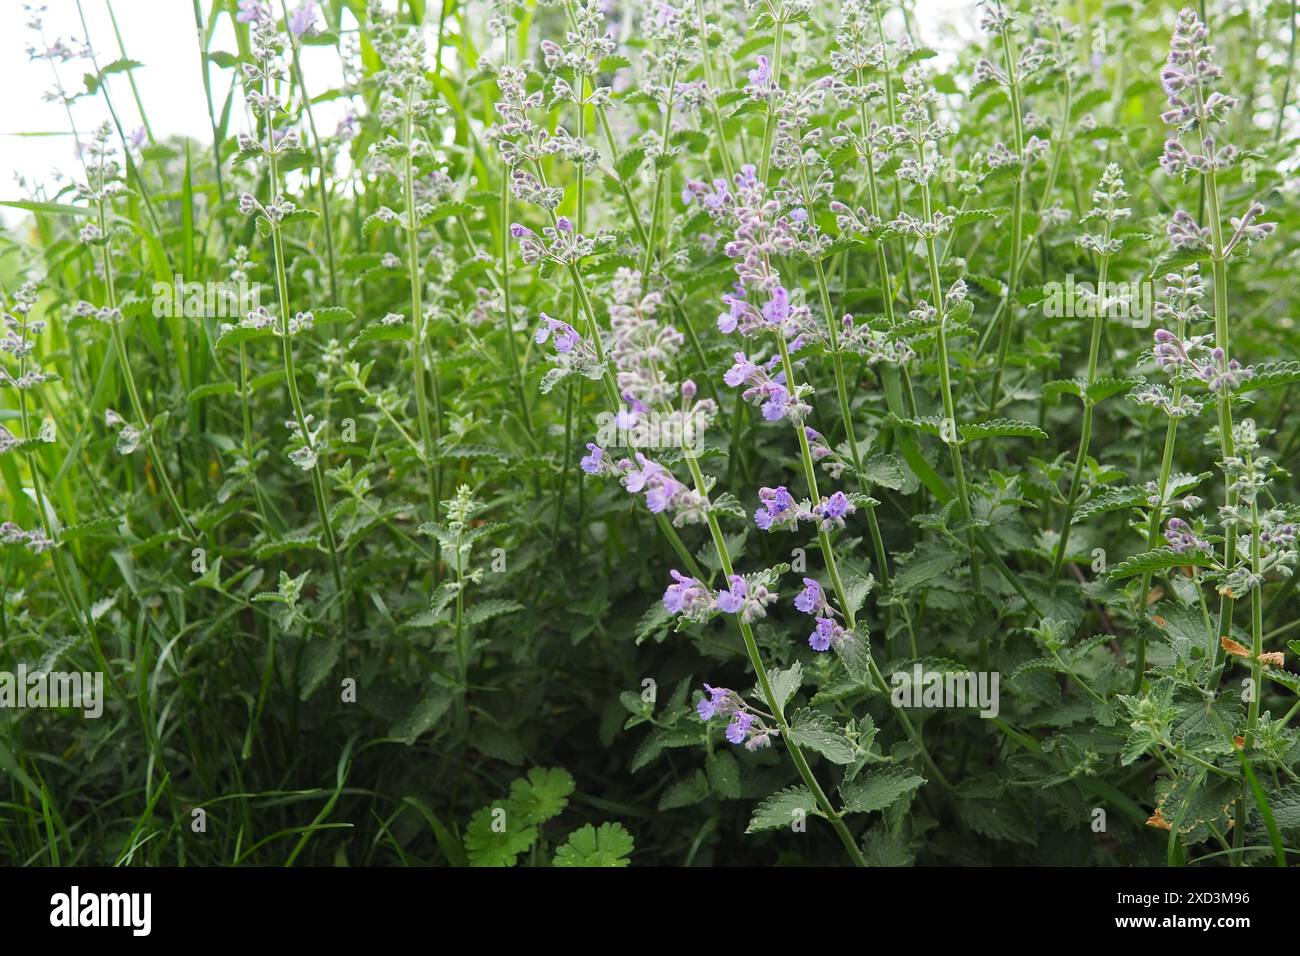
{"points": [[833, 510], [687, 597], [760, 77], [812, 599], [777, 309], [837, 506], [826, 635], [303, 18], [738, 729], [777, 508], [714, 704], [736, 310], [590, 463], [733, 599], [741, 372], [252, 11], [565, 336], [1182, 538]]}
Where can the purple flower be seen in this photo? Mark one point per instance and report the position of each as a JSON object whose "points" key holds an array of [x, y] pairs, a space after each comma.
{"points": [[591, 463], [777, 309], [826, 635], [833, 510], [687, 596], [252, 11], [733, 599], [564, 224], [760, 76], [566, 337], [837, 506], [714, 703], [519, 231], [778, 403], [1182, 538], [303, 18], [777, 508], [811, 599], [736, 308], [738, 729], [741, 372]]}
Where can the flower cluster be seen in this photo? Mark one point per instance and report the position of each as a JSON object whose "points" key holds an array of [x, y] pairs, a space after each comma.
{"points": [[747, 726], [767, 389], [747, 598], [779, 511], [34, 541]]}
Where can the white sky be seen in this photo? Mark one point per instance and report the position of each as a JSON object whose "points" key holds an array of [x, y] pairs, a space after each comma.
{"points": [[161, 35]]}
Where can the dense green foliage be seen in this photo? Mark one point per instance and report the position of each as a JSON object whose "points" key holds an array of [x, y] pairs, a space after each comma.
{"points": [[357, 596]]}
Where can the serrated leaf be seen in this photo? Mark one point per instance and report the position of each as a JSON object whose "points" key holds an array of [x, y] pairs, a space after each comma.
{"points": [[1161, 559], [426, 712], [781, 809], [542, 795], [686, 792], [496, 837], [1000, 428], [884, 470], [724, 775], [818, 732], [878, 789], [608, 845], [318, 659], [481, 611], [785, 683]]}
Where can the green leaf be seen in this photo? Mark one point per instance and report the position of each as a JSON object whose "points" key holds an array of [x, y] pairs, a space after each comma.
{"points": [[785, 683], [818, 732], [724, 774], [318, 659], [1000, 428], [496, 837], [878, 789], [242, 334], [885, 470], [543, 795], [482, 611], [854, 652], [629, 162], [1161, 559], [685, 792], [427, 712], [1270, 375], [781, 809], [610, 845], [1112, 499]]}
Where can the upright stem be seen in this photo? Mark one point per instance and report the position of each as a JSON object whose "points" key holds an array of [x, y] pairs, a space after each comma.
{"points": [[291, 378], [769, 128], [1155, 520], [1017, 202], [511, 348], [951, 438], [1085, 436], [434, 474], [706, 56]]}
